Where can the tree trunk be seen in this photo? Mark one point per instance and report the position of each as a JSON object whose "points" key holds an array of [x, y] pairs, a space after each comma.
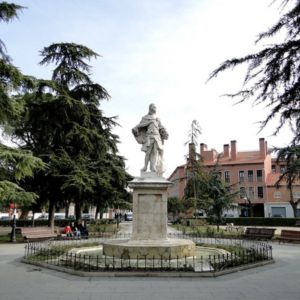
{"points": [[218, 223], [101, 214], [78, 210], [32, 224], [293, 203], [250, 207], [67, 209], [97, 211], [24, 214], [51, 213]]}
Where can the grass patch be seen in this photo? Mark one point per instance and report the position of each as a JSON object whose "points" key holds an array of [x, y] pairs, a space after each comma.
{"points": [[6, 238], [95, 229], [207, 230], [56, 251], [229, 248]]}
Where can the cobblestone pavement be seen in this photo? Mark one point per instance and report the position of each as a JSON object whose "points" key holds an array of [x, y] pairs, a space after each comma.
{"points": [[276, 281]]}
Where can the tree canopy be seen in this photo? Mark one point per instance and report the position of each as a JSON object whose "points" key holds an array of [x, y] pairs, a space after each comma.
{"points": [[15, 164], [194, 133], [290, 155], [60, 122], [213, 194], [273, 76]]}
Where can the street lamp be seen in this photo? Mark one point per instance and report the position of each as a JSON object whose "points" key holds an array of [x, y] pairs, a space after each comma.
{"points": [[14, 225], [249, 205], [246, 205]]}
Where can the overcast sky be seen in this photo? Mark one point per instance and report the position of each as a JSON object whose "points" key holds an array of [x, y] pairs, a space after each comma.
{"points": [[157, 51]]}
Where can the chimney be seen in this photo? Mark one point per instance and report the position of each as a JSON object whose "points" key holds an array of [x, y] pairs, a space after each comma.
{"points": [[203, 147], [226, 150], [233, 150], [262, 148]]}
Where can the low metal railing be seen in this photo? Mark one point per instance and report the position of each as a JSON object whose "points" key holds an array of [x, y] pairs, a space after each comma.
{"points": [[57, 252]]}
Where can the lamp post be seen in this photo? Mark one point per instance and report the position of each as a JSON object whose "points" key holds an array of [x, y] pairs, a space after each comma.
{"points": [[246, 206], [14, 225], [249, 205]]}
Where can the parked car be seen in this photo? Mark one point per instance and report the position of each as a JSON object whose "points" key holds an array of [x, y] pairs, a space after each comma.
{"points": [[87, 216], [128, 216], [59, 216], [43, 217], [6, 218]]}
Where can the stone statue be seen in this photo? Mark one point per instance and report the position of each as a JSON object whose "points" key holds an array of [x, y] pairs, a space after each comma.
{"points": [[151, 134]]}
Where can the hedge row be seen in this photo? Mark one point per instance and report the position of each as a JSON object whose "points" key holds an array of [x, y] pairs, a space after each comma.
{"points": [[262, 221], [245, 221], [58, 223], [185, 221]]}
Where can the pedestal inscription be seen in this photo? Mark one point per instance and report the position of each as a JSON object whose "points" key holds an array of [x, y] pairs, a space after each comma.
{"points": [[149, 220]]}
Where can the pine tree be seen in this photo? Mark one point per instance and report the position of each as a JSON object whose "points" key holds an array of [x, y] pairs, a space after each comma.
{"points": [[15, 164], [273, 76], [290, 155], [213, 195], [62, 124]]}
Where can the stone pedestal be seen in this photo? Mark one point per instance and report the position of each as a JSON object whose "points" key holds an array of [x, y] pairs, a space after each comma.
{"points": [[149, 207], [149, 234]]}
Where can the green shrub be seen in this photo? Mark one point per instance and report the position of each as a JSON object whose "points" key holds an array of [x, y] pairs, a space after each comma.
{"points": [[58, 223], [193, 221], [247, 221], [210, 231]]}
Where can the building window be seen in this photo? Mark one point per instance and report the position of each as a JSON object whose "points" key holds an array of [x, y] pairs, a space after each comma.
{"points": [[242, 192], [241, 176], [260, 192], [278, 212], [259, 175], [282, 169], [251, 192], [250, 175], [227, 176], [296, 195], [273, 169], [277, 195]]}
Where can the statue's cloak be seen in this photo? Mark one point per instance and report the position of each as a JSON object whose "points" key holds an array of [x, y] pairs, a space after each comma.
{"points": [[141, 134]]}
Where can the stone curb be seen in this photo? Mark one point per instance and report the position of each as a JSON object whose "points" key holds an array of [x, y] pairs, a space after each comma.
{"points": [[149, 274]]}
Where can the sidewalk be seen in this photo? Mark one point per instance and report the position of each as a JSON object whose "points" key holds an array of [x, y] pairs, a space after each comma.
{"points": [[276, 281]]}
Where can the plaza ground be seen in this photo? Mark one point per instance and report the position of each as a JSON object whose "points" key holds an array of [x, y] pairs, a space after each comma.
{"points": [[276, 281]]}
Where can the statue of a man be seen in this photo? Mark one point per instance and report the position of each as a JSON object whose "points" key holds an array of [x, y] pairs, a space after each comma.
{"points": [[151, 134]]}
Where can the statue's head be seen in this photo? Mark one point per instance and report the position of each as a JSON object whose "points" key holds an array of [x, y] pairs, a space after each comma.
{"points": [[152, 108]]}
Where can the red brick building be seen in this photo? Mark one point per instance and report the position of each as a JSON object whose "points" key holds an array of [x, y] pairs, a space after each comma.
{"points": [[254, 173]]}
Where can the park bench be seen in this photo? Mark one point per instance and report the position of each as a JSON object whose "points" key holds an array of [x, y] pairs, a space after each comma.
{"points": [[259, 233], [5, 230], [230, 227], [289, 235], [37, 233], [60, 232]]}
